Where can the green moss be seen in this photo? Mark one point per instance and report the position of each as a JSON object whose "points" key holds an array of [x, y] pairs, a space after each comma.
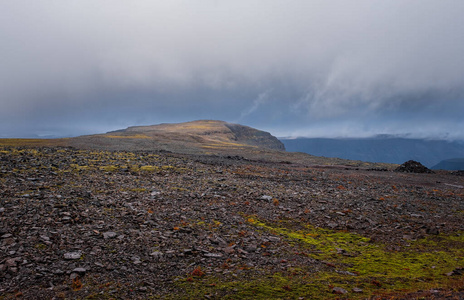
{"points": [[40, 246], [348, 260], [424, 262]]}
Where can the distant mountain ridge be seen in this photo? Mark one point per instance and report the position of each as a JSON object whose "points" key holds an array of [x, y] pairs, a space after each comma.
{"points": [[385, 149], [452, 164]]}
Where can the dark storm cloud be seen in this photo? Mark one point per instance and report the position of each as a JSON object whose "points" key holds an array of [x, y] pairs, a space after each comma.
{"points": [[338, 68]]}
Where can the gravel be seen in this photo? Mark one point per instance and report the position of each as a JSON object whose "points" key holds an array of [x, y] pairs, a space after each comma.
{"points": [[69, 216]]}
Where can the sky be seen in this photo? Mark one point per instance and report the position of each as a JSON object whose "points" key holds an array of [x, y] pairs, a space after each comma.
{"points": [[339, 68]]}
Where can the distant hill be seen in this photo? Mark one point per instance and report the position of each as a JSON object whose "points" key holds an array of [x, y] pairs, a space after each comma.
{"points": [[386, 149], [190, 137], [452, 164]]}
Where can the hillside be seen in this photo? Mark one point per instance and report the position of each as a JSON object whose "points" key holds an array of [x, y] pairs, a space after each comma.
{"points": [[196, 137], [384, 149], [450, 164], [205, 137]]}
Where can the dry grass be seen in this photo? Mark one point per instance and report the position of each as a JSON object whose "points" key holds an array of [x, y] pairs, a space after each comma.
{"points": [[33, 142]]}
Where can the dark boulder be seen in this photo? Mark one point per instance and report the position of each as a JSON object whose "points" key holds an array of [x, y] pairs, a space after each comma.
{"points": [[412, 166]]}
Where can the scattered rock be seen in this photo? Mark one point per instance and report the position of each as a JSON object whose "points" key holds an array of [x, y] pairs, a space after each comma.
{"points": [[156, 254], [12, 262], [73, 255], [213, 255], [339, 290], [145, 228], [455, 272], [266, 197], [109, 235], [80, 271]]}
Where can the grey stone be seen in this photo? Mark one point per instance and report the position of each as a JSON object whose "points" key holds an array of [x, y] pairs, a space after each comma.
{"points": [[157, 254], [73, 255], [80, 271], [109, 235], [213, 255], [12, 262], [339, 290], [273, 239], [266, 197]]}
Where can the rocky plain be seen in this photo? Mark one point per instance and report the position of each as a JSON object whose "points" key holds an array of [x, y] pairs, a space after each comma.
{"points": [[97, 224]]}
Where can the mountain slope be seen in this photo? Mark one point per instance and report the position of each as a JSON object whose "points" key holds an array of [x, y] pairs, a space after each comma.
{"points": [[450, 164], [190, 137]]}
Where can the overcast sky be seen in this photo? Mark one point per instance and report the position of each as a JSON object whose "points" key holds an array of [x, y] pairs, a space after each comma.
{"points": [[294, 68]]}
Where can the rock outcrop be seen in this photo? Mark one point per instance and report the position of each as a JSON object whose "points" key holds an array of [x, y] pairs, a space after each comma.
{"points": [[412, 166]]}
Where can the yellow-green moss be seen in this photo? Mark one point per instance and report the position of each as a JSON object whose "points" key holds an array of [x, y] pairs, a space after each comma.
{"points": [[78, 167], [425, 261], [349, 260], [109, 168], [149, 168]]}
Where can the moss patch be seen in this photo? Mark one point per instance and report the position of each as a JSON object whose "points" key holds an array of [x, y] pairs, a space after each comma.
{"points": [[349, 261]]}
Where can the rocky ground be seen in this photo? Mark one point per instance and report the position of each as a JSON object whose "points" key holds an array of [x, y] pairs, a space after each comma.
{"points": [[136, 225]]}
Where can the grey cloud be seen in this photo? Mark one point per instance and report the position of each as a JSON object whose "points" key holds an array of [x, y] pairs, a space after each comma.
{"points": [[300, 67]]}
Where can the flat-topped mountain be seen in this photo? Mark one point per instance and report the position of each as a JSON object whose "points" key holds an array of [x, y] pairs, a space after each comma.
{"points": [[190, 137]]}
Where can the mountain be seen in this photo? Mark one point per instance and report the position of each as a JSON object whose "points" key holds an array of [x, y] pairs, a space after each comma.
{"points": [[190, 137], [196, 137], [452, 164], [385, 149]]}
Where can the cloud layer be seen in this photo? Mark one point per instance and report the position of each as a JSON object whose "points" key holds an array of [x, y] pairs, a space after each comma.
{"points": [[333, 68]]}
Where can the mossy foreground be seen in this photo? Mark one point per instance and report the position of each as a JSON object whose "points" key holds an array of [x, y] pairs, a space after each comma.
{"points": [[363, 268]]}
